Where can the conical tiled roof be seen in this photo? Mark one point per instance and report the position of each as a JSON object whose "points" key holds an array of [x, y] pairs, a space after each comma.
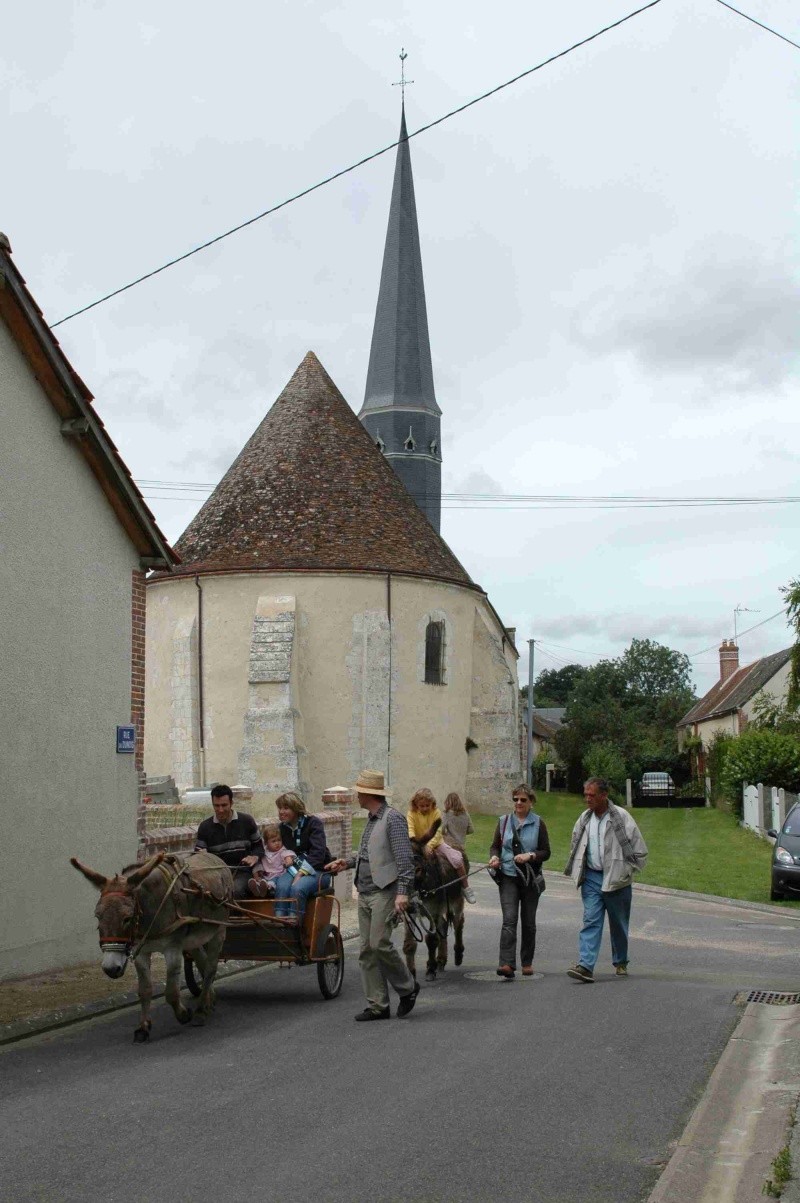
{"points": [[310, 491]]}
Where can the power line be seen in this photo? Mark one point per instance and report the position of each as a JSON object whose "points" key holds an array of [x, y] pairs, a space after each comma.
{"points": [[760, 24], [747, 631], [361, 162]]}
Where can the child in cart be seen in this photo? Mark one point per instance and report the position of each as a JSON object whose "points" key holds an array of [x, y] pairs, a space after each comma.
{"points": [[262, 883]]}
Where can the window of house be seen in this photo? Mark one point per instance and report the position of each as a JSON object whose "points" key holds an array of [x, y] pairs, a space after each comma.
{"points": [[434, 653]]}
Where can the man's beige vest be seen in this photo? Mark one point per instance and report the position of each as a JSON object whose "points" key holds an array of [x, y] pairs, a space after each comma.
{"points": [[381, 861]]}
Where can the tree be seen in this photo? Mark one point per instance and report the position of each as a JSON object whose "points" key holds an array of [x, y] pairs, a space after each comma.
{"points": [[764, 757], [631, 705], [792, 594], [554, 686]]}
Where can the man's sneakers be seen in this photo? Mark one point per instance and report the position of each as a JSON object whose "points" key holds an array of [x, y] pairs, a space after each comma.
{"points": [[527, 970], [470, 894], [406, 1004], [368, 1014], [581, 974], [506, 971], [621, 969]]}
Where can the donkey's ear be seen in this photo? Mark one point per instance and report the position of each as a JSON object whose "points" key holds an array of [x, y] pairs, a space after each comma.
{"points": [[137, 877], [97, 879]]}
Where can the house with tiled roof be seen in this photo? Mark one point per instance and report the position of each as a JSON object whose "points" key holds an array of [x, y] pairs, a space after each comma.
{"points": [[78, 540], [318, 624], [730, 704]]}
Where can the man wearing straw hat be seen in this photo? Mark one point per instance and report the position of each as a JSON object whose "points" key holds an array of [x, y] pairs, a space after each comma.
{"points": [[384, 866]]}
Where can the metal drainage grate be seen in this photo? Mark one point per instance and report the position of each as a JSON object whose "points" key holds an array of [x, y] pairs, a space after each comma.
{"points": [[773, 998]]}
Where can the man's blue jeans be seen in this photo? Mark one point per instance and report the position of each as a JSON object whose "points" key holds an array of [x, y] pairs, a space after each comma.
{"points": [[596, 904], [300, 888]]}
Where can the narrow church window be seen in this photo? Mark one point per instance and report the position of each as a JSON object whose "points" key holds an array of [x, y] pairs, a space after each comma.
{"points": [[434, 446], [379, 443], [409, 444], [434, 653]]}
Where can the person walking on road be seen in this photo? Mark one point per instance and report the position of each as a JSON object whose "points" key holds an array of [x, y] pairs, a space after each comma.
{"points": [[520, 847], [607, 849], [384, 866]]}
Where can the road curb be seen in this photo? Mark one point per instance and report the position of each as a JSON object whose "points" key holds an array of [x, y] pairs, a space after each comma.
{"points": [[718, 899], [49, 1021], [740, 1124]]}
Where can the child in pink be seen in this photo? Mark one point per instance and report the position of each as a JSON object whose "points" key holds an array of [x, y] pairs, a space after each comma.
{"points": [[271, 864]]}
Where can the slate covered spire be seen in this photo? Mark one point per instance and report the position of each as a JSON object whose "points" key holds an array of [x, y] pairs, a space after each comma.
{"points": [[400, 411]]}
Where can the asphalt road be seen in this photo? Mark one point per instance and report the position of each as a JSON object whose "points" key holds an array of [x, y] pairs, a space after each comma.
{"points": [[540, 1089]]}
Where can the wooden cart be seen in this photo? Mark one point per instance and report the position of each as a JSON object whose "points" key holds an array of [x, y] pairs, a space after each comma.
{"points": [[254, 933]]}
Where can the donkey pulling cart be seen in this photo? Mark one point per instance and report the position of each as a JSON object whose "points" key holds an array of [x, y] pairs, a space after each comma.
{"points": [[185, 910], [253, 932]]}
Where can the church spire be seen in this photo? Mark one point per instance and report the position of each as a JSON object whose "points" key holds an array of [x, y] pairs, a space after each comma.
{"points": [[400, 410]]}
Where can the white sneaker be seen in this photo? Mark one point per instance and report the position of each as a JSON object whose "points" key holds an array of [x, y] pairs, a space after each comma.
{"points": [[469, 894]]}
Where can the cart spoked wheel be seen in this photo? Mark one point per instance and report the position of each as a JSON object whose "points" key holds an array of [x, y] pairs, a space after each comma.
{"points": [[190, 977], [330, 972]]}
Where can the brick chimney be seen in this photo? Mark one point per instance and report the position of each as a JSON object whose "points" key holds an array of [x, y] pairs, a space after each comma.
{"points": [[728, 659]]}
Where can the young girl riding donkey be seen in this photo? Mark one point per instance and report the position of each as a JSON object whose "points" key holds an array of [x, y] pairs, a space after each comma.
{"points": [[442, 837]]}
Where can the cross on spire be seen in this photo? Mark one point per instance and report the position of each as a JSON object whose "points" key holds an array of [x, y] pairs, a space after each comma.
{"points": [[402, 83]]}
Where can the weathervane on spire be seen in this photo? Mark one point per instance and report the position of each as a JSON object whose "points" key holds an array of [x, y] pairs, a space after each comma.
{"points": [[402, 82]]}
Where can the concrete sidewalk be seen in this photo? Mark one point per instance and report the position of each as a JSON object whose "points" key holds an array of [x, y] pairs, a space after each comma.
{"points": [[743, 1120]]}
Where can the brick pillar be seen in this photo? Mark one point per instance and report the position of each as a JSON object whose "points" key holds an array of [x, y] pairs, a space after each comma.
{"points": [[137, 694], [337, 803]]}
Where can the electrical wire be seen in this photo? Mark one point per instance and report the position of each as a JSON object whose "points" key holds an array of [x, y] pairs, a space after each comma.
{"points": [[361, 162], [760, 24], [713, 646]]}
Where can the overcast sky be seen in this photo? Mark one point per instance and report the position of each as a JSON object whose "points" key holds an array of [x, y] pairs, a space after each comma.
{"points": [[610, 251]]}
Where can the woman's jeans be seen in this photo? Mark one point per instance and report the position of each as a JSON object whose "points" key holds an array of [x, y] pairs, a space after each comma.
{"points": [[596, 904], [517, 900], [299, 887]]}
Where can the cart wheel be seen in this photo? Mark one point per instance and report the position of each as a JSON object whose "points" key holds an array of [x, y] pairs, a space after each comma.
{"points": [[330, 973], [192, 984]]}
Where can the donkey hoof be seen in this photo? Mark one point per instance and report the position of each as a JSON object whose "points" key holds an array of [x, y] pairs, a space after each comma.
{"points": [[430, 976], [141, 1035], [198, 1020], [184, 1016]]}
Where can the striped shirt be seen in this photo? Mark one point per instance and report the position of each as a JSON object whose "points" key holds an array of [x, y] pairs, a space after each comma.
{"points": [[231, 842]]}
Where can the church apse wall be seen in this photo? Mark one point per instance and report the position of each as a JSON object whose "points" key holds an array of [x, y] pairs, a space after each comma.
{"points": [[303, 686]]}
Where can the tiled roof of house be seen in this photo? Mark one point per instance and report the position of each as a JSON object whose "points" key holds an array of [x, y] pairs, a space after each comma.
{"points": [[310, 491], [740, 687]]}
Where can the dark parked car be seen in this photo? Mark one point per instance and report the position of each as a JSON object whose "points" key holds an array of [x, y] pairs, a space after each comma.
{"points": [[786, 858]]}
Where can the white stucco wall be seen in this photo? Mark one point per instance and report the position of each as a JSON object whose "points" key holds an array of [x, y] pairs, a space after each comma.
{"points": [[65, 664], [341, 673]]}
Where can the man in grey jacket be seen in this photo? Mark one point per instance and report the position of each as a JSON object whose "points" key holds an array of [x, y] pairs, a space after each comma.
{"points": [[384, 866], [607, 849]]}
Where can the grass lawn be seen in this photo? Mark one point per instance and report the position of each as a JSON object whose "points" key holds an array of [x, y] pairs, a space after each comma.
{"points": [[702, 850]]}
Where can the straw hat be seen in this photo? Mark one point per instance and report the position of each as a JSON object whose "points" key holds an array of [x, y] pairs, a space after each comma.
{"points": [[370, 782]]}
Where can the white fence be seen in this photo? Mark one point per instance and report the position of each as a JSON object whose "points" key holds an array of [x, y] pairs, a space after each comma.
{"points": [[765, 807]]}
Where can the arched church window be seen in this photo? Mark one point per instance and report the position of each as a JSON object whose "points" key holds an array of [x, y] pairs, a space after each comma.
{"points": [[409, 444], [434, 653], [379, 443], [434, 446]]}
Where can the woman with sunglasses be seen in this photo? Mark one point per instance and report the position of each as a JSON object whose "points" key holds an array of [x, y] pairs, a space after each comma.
{"points": [[519, 849]]}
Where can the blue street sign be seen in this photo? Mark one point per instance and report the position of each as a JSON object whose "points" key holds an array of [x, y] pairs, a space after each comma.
{"points": [[126, 739]]}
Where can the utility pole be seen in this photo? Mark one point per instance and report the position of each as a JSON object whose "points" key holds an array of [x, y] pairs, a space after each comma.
{"points": [[529, 774]]}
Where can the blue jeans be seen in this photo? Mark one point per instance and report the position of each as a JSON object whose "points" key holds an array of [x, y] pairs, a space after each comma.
{"points": [[596, 904], [299, 888]]}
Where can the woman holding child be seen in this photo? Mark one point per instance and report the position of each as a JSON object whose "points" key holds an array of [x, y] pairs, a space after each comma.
{"points": [[304, 849]]}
